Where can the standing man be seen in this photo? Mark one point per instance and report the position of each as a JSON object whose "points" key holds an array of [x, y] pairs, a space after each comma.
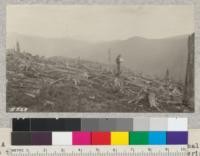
{"points": [[118, 62]]}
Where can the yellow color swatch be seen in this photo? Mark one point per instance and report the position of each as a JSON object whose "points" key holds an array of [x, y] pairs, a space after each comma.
{"points": [[119, 138]]}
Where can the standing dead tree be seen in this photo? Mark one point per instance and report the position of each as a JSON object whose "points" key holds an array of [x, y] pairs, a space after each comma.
{"points": [[109, 60], [188, 99], [18, 47]]}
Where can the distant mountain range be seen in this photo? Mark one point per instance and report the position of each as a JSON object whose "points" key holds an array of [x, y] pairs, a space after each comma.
{"points": [[149, 56]]}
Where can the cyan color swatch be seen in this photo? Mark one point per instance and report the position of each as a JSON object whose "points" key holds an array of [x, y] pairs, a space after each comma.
{"points": [[157, 138]]}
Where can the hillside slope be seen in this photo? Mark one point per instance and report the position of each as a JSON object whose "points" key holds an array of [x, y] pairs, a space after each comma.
{"points": [[148, 56]]}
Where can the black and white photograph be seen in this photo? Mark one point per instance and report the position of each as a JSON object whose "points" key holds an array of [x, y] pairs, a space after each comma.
{"points": [[100, 58]]}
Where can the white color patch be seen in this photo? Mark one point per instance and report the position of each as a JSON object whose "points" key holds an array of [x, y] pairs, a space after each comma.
{"points": [[177, 124], [61, 138]]}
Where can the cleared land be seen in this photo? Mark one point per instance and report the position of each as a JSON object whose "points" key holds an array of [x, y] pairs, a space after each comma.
{"points": [[60, 84]]}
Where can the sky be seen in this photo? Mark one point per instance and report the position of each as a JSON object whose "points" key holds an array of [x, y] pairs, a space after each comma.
{"points": [[99, 22]]}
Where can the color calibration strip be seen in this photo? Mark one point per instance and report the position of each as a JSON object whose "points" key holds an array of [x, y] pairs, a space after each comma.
{"points": [[112, 131]]}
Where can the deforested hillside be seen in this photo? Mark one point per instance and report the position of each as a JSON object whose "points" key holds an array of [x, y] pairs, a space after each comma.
{"points": [[62, 84]]}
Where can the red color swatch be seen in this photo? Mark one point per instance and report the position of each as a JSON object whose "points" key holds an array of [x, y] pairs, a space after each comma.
{"points": [[100, 138]]}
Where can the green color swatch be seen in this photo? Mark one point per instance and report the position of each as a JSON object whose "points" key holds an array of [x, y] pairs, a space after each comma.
{"points": [[138, 138]]}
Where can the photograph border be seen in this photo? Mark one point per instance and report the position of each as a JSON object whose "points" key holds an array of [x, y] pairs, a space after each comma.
{"points": [[194, 117]]}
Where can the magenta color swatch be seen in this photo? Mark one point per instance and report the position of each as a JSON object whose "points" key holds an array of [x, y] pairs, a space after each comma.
{"points": [[81, 138]]}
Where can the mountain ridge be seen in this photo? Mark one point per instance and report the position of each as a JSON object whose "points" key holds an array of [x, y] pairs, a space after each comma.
{"points": [[148, 56]]}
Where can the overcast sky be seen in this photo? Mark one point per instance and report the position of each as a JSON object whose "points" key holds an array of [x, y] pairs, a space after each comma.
{"points": [[94, 23]]}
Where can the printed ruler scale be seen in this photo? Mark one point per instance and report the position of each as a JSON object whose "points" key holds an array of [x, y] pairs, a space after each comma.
{"points": [[94, 151]]}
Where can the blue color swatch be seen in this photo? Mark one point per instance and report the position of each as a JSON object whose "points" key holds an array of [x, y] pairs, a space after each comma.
{"points": [[157, 138]]}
